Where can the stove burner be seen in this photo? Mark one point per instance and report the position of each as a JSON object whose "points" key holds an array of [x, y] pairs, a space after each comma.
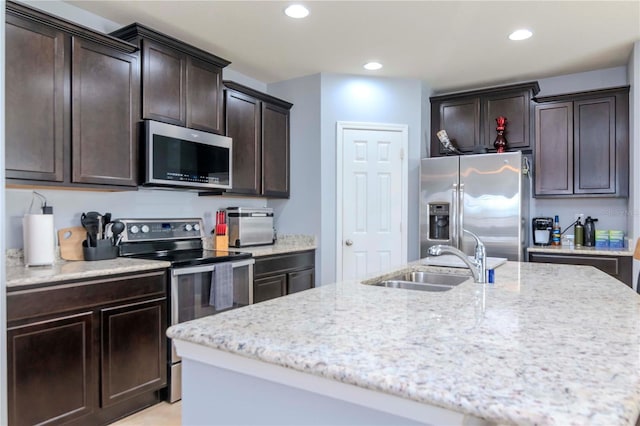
{"points": [[178, 241], [182, 258]]}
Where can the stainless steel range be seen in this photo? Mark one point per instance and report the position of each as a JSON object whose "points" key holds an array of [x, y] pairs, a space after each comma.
{"points": [[201, 282]]}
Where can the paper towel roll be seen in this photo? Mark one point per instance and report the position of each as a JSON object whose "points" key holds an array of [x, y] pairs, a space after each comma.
{"points": [[39, 239]]}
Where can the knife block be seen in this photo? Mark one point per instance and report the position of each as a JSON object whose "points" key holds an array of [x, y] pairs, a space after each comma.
{"points": [[221, 242]]}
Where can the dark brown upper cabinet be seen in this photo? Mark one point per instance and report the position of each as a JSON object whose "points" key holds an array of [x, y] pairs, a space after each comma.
{"points": [[582, 144], [469, 118], [259, 126], [72, 104], [181, 84]]}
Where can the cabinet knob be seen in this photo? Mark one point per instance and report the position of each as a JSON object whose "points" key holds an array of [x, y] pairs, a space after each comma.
{"points": [[349, 242]]}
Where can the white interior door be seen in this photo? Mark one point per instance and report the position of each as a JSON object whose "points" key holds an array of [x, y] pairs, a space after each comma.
{"points": [[372, 194]]}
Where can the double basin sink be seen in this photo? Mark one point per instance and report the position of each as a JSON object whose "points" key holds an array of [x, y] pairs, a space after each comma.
{"points": [[423, 281]]}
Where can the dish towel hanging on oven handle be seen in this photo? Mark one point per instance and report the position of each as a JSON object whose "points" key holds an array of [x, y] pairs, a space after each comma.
{"points": [[221, 295]]}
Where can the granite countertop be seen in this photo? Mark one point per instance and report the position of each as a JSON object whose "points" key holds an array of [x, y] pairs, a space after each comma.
{"points": [[582, 250], [18, 275], [545, 344], [284, 244]]}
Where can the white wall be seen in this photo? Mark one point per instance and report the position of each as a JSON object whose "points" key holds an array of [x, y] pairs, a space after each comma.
{"points": [[301, 214], [75, 14], [610, 212], [366, 99], [145, 203], [634, 153]]}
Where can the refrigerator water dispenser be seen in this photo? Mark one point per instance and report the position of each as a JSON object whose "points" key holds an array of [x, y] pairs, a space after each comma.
{"points": [[438, 221]]}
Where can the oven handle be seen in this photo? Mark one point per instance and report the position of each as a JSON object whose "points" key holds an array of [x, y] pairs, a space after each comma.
{"points": [[193, 270], [208, 268]]}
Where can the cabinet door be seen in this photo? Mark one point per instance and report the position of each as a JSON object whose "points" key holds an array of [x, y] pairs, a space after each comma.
{"points": [[301, 280], [269, 287], [105, 114], [36, 99], [204, 96], [275, 151], [516, 108], [165, 84], [595, 146], [51, 375], [243, 126], [461, 120], [133, 358], [554, 148]]}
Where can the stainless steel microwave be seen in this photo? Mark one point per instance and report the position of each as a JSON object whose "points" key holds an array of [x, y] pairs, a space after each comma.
{"points": [[185, 158]]}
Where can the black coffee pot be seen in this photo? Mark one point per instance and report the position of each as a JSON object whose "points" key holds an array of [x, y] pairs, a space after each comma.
{"points": [[590, 232]]}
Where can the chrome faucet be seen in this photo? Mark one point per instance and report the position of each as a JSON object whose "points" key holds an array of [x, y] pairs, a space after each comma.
{"points": [[477, 265]]}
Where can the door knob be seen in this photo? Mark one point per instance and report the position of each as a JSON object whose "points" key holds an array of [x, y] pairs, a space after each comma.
{"points": [[349, 242]]}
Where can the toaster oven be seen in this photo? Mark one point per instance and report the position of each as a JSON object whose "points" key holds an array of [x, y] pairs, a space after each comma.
{"points": [[250, 226]]}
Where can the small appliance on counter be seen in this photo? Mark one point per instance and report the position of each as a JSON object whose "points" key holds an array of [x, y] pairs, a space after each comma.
{"points": [[250, 226], [542, 230]]}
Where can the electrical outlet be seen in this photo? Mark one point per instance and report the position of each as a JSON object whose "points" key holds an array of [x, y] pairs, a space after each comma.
{"points": [[579, 216]]}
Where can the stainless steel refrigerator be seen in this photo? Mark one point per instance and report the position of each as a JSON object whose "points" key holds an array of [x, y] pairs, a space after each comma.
{"points": [[487, 194]]}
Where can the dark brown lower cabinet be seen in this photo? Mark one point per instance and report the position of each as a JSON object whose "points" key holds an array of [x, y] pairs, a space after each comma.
{"points": [[133, 344], [86, 352], [283, 274], [269, 287], [302, 280], [619, 267], [51, 371]]}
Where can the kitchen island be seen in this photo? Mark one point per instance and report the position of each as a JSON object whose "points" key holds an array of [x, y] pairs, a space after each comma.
{"points": [[545, 344]]}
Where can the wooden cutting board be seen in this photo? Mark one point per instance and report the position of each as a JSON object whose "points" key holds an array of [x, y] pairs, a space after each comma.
{"points": [[70, 240]]}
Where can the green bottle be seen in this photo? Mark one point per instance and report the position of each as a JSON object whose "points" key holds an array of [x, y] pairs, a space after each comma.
{"points": [[578, 232]]}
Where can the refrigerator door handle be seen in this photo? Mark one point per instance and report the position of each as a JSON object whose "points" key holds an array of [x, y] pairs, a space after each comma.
{"points": [[454, 215], [460, 216]]}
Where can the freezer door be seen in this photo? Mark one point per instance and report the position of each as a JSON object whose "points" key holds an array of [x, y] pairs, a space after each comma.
{"points": [[492, 203], [439, 178]]}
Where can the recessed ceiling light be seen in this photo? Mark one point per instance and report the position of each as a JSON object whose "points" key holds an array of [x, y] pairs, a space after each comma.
{"points": [[296, 11], [520, 35], [372, 66]]}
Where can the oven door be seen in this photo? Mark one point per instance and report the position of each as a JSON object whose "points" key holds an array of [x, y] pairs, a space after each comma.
{"points": [[191, 289]]}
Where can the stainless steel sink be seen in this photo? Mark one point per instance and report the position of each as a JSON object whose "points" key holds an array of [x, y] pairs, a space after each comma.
{"points": [[431, 278], [423, 281]]}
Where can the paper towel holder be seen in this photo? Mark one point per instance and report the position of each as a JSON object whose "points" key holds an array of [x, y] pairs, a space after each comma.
{"points": [[38, 235]]}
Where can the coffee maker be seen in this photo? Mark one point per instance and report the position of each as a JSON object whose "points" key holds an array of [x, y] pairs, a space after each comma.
{"points": [[542, 228]]}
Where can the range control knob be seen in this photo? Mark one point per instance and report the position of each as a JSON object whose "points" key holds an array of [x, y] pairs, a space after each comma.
{"points": [[196, 227], [188, 227], [134, 229], [145, 228]]}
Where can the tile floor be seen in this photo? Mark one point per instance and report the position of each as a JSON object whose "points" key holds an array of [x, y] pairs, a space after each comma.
{"points": [[162, 414]]}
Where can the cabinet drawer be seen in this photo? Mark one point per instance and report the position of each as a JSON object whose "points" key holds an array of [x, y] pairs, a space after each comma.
{"points": [[283, 263], [22, 304], [617, 267]]}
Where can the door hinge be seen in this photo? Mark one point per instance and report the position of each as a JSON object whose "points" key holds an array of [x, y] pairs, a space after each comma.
{"points": [[402, 153]]}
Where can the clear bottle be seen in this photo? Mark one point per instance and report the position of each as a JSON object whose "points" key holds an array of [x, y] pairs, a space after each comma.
{"points": [[555, 234]]}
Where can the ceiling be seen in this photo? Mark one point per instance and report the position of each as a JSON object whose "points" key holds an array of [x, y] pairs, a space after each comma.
{"points": [[451, 45]]}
